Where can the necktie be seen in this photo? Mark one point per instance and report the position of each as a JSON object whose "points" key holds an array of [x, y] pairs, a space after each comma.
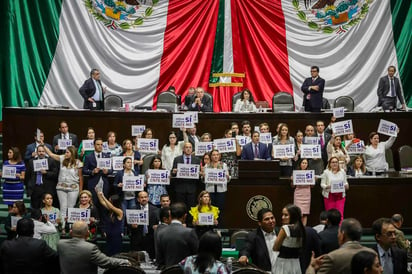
{"points": [[99, 90], [256, 151], [322, 143], [187, 160], [98, 155], [392, 88], [387, 263], [38, 178]]}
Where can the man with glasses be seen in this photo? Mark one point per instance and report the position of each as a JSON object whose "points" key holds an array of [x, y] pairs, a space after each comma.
{"points": [[312, 89]]}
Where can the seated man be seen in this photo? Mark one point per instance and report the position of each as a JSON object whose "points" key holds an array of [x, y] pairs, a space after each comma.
{"points": [[201, 102]]}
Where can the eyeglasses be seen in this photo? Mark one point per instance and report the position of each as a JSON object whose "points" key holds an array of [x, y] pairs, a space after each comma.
{"points": [[390, 234]]}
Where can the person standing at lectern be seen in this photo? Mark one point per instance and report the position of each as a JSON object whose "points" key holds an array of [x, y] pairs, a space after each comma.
{"points": [[388, 89], [312, 89], [93, 92]]}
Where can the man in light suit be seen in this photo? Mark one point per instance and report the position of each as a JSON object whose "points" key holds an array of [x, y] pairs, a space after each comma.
{"points": [[31, 148], [142, 236], [176, 242], [339, 260], [255, 150], [201, 102], [76, 255], [259, 243], [64, 134], [93, 92], [312, 89], [393, 259], [185, 188], [388, 89]]}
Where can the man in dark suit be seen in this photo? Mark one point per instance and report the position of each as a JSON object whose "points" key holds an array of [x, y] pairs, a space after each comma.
{"points": [[312, 89], [142, 236], [329, 236], [324, 139], [388, 89], [201, 102], [43, 181], [92, 92], [165, 220], [189, 97], [255, 150], [31, 148], [176, 242], [24, 254], [64, 134], [79, 256], [259, 243], [192, 137], [185, 188], [393, 259]]}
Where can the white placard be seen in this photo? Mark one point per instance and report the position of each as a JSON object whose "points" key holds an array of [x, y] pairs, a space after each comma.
{"points": [[215, 176], [78, 214], [38, 134], [104, 163], [133, 183], [310, 151], [64, 143], [105, 146], [303, 177], [266, 138], [188, 171], [183, 121], [137, 130], [194, 115], [158, 177], [88, 145], [387, 128], [337, 186], [52, 216], [284, 151], [40, 164], [243, 140], [206, 219], [342, 128], [311, 140], [9, 172], [225, 145], [14, 220], [117, 162], [355, 148], [148, 145], [137, 217], [339, 112], [202, 147]]}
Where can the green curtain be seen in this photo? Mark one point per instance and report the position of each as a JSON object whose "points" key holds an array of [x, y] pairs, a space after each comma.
{"points": [[31, 32], [402, 29]]}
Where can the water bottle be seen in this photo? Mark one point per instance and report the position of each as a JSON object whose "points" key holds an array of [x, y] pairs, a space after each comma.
{"points": [[373, 172], [229, 264], [26, 103]]}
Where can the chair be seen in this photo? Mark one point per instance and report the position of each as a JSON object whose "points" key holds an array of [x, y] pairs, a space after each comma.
{"points": [[405, 156], [389, 159], [238, 239], [167, 100], [248, 270], [282, 101], [124, 270], [173, 269], [325, 103], [146, 163], [346, 102], [208, 95], [235, 97], [112, 102]]}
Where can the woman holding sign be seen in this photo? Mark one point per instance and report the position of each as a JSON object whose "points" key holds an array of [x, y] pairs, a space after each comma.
{"points": [[17, 212], [81, 151], [335, 148], [375, 160], [284, 139], [13, 187], [86, 202], [128, 198], [155, 190], [302, 194], [135, 155], [172, 149], [204, 206], [53, 215], [334, 185]]}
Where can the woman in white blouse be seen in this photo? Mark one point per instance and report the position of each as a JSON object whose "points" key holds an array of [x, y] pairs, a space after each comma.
{"points": [[336, 149], [245, 103], [374, 154], [172, 149]]}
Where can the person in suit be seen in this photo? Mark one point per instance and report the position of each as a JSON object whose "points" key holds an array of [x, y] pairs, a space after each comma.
{"points": [[165, 220], [185, 189], [178, 97], [192, 136], [401, 241], [324, 139], [312, 89], [329, 236], [201, 102], [339, 260], [389, 89], [255, 150], [142, 236], [64, 134], [189, 97], [393, 259], [175, 241], [312, 244], [25, 254], [93, 92], [259, 243], [32, 148], [76, 255], [43, 181]]}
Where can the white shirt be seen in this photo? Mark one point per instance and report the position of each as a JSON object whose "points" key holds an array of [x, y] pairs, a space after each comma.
{"points": [[270, 239], [168, 155], [96, 95], [389, 94], [219, 187], [375, 158], [69, 175], [41, 228]]}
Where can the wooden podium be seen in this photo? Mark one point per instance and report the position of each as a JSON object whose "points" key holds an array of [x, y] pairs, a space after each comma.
{"points": [[255, 171]]}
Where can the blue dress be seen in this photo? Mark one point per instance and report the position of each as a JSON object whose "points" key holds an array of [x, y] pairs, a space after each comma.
{"points": [[13, 189], [114, 235]]}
